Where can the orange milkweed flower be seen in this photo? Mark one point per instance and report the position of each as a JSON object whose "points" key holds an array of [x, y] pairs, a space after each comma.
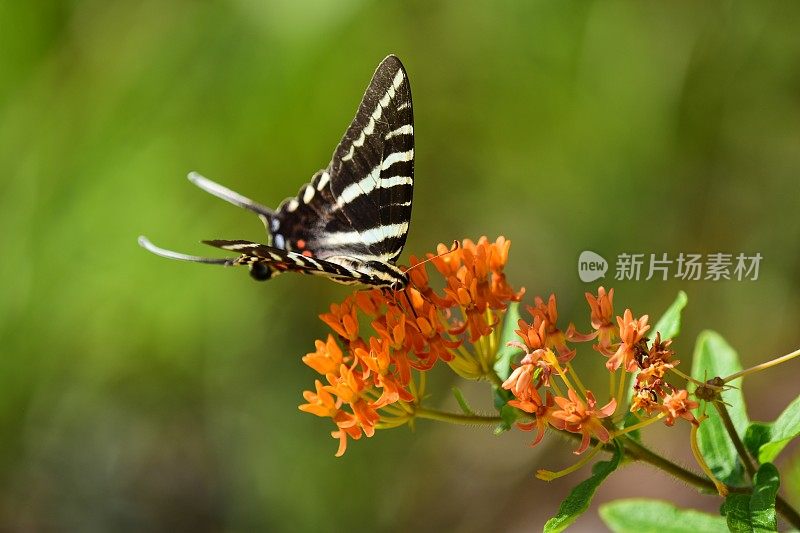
{"points": [[370, 301], [475, 283], [370, 367], [342, 319], [346, 385], [433, 344], [392, 327], [677, 405], [327, 357], [631, 332], [645, 399], [576, 416], [547, 314], [542, 412], [535, 338], [658, 353], [448, 264], [602, 320], [345, 430], [379, 362], [420, 289], [321, 402], [521, 381]]}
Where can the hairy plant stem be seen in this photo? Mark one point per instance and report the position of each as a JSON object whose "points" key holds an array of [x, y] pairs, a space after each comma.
{"points": [[637, 451], [781, 505], [494, 378], [456, 418], [787, 511], [633, 450]]}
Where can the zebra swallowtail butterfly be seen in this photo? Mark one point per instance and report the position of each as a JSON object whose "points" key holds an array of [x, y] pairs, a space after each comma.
{"points": [[350, 222]]}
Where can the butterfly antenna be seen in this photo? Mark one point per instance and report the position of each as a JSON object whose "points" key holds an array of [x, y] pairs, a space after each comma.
{"points": [[455, 247], [264, 213], [145, 243]]}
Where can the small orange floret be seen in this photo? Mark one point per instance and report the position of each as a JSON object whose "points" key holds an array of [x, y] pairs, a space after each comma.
{"points": [[521, 382], [677, 405], [320, 403], [327, 357], [542, 412], [631, 332], [579, 417], [645, 399], [544, 329], [342, 319]]}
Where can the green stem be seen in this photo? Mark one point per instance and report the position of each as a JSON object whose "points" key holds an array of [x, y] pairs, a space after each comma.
{"points": [[787, 511], [494, 378], [633, 450], [763, 366], [637, 451], [456, 418], [781, 505]]}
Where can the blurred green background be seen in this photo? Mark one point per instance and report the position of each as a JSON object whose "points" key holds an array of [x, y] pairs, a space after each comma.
{"points": [[138, 394]]}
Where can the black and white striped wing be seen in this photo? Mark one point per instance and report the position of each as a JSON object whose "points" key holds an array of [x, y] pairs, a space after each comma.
{"points": [[350, 222], [360, 205]]}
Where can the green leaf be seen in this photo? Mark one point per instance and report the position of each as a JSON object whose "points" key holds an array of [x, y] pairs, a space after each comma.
{"points": [[505, 353], [762, 502], [669, 325], [757, 434], [755, 513], [581, 496], [639, 515], [784, 429], [502, 366], [737, 513], [714, 357], [630, 420], [508, 414], [791, 476]]}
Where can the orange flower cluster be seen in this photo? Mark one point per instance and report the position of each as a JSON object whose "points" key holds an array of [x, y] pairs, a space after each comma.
{"points": [[367, 371], [546, 348]]}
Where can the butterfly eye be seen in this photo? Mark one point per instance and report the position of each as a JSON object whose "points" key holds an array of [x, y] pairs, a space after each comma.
{"points": [[260, 272]]}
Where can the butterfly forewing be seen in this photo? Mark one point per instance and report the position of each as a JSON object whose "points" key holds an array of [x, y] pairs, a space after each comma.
{"points": [[360, 205]]}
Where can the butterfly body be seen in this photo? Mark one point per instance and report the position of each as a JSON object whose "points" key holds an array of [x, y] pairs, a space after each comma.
{"points": [[350, 222]]}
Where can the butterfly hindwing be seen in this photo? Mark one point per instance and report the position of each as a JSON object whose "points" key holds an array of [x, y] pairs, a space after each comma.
{"points": [[278, 260]]}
